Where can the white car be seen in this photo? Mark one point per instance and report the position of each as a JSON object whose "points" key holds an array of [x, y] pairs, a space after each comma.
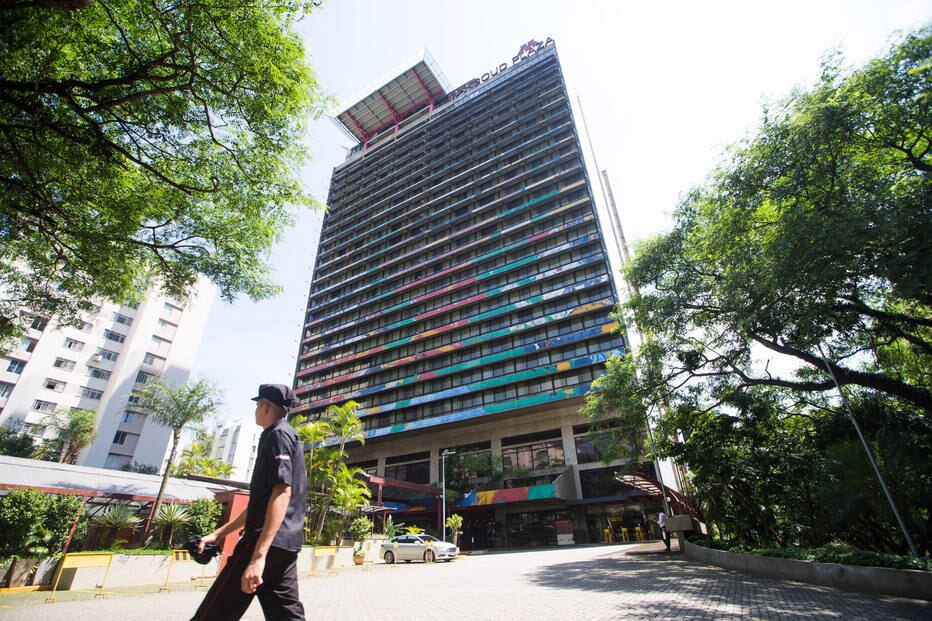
{"points": [[425, 548]]}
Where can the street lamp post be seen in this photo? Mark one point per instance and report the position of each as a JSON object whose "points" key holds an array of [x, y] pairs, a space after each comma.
{"points": [[443, 490]]}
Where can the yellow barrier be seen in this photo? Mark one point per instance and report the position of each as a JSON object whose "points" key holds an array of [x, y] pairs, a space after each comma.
{"points": [[323, 551], [102, 559], [181, 556]]}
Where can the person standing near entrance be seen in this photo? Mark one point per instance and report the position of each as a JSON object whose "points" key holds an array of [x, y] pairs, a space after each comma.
{"points": [[264, 562], [662, 521]]}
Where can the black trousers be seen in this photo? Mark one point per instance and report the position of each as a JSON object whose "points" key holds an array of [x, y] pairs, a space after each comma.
{"points": [[278, 594]]}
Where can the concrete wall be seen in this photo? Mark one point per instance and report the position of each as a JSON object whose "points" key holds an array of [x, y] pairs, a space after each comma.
{"points": [[135, 570], [876, 580]]}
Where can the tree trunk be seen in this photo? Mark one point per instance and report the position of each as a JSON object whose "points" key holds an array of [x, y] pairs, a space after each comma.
{"points": [[176, 438], [333, 487]]}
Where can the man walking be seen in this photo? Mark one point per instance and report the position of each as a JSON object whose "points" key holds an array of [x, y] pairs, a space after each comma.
{"points": [[662, 521], [264, 560]]}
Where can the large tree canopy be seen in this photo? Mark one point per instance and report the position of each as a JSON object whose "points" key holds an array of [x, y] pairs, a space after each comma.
{"points": [[815, 237], [818, 232], [144, 140]]}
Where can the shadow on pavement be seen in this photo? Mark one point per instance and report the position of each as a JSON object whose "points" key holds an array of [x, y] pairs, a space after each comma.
{"points": [[688, 590]]}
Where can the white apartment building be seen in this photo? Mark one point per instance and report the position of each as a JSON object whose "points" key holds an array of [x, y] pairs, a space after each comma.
{"points": [[235, 442], [97, 366]]}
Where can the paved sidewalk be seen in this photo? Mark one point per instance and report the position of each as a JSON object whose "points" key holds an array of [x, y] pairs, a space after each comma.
{"points": [[630, 582]]}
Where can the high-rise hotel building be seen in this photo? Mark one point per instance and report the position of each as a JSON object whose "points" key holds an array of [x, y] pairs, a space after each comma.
{"points": [[462, 296]]}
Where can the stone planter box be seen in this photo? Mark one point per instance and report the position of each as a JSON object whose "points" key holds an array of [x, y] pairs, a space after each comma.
{"points": [[876, 580], [20, 572]]}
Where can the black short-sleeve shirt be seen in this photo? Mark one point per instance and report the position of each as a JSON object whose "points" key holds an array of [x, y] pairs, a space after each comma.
{"points": [[279, 459]]}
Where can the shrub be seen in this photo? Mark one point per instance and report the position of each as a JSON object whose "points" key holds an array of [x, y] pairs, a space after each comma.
{"points": [[360, 528], [60, 512], [835, 552], [21, 519], [203, 516]]}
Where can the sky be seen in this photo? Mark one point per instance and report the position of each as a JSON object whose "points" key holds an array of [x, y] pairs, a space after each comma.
{"points": [[665, 88]]}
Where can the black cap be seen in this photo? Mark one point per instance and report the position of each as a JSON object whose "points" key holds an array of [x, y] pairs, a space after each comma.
{"points": [[279, 394]]}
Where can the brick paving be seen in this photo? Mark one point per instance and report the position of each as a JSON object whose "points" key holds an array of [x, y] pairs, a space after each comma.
{"points": [[587, 582]]}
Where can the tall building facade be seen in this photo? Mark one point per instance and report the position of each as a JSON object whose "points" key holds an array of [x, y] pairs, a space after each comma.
{"points": [[236, 443], [97, 365], [462, 296]]}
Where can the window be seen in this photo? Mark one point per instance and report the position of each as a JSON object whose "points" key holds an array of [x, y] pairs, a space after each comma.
{"points": [[128, 416], [98, 373], [91, 393], [61, 363], [86, 326], [106, 354], [123, 319], [171, 308], [16, 366], [153, 360], [142, 377], [74, 345], [54, 384], [114, 336], [158, 341], [119, 437], [133, 400], [38, 323], [5, 389], [29, 344], [43, 406], [166, 325]]}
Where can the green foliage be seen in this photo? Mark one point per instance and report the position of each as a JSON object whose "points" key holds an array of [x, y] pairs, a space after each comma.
{"points": [[169, 519], [454, 524], [392, 529], [360, 529], [22, 514], [466, 471], [198, 106], [196, 459], [835, 552], [204, 516], [139, 468], [74, 429], [15, 445], [812, 237], [60, 513], [176, 407], [116, 517]]}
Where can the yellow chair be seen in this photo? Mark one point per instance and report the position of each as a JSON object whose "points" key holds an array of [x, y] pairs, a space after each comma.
{"points": [[624, 535], [639, 533]]}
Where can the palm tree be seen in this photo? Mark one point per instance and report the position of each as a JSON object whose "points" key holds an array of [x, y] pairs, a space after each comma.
{"points": [[76, 430], [196, 459], [345, 424], [176, 407], [118, 516], [170, 517]]}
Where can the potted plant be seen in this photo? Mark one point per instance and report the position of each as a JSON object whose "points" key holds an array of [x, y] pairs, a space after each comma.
{"points": [[360, 529]]}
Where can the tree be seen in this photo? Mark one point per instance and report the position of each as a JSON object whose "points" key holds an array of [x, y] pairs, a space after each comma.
{"points": [[455, 525], [75, 430], [169, 519], [21, 513], [147, 142], [812, 239], [196, 459], [177, 407], [117, 516], [203, 516], [14, 444], [815, 235], [347, 427]]}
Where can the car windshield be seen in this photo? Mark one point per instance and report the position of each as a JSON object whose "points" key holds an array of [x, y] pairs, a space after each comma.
{"points": [[428, 538]]}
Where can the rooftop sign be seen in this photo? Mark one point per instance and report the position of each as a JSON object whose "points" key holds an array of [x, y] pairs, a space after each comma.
{"points": [[526, 50]]}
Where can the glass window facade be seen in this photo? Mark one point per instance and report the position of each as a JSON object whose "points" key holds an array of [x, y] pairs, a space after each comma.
{"points": [[461, 270]]}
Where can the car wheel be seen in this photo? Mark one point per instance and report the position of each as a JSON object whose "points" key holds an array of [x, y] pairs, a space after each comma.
{"points": [[389, 558], [429, 556]]}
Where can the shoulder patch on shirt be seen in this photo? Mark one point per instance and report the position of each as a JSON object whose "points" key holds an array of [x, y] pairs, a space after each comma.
{"points": [[284, 457]]}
